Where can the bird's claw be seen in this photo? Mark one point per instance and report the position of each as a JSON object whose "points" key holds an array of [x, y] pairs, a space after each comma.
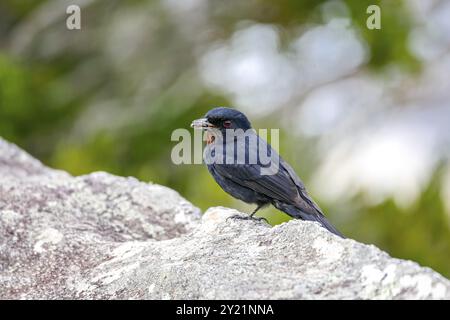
{"points": [[240, 217]]}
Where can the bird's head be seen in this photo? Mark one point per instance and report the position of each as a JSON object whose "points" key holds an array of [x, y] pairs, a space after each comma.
{"points": [[221, 119]]}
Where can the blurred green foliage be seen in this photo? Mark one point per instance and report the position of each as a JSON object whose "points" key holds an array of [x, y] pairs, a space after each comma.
{"points": [[44, 99]]}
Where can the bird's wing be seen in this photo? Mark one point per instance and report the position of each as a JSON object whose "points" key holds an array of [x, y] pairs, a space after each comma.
{"points": [[278, 186], [307, 204], [283, 186]]}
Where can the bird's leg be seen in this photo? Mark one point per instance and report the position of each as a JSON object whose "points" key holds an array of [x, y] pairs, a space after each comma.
{"points": [[251, 216], [256, 210]]}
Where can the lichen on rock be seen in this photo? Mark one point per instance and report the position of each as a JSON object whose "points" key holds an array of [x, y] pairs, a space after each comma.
{"points": [[101, 236]]}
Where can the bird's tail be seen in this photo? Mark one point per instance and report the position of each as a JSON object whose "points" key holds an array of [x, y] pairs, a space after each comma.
{"points": [[318, 217], [326, 224]]}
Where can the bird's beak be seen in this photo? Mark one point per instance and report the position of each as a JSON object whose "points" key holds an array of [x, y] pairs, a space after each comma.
{"points": [[201, 124]]}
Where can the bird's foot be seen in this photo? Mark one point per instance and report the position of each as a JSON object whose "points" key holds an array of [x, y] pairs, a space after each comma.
{"points": [[240, 217]]}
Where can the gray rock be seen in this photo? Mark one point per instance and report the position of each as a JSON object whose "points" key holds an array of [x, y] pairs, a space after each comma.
{"points": [[105, 237]]}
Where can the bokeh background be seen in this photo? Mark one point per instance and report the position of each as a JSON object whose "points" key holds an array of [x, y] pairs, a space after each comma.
{"points": [[364, 114]]}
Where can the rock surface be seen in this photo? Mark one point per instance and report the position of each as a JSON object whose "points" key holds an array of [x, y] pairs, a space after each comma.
{"points": [[105, 237]]}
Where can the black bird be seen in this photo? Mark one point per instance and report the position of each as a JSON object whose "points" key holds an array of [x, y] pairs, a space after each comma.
{"points": [[246, 180]]}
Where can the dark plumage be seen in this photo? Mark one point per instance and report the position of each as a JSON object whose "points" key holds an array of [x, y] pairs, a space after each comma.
{"points": [[244, 179]]}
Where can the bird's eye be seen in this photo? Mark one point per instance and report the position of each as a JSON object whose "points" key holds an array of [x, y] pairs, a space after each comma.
{"points": [[227, 124]]}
